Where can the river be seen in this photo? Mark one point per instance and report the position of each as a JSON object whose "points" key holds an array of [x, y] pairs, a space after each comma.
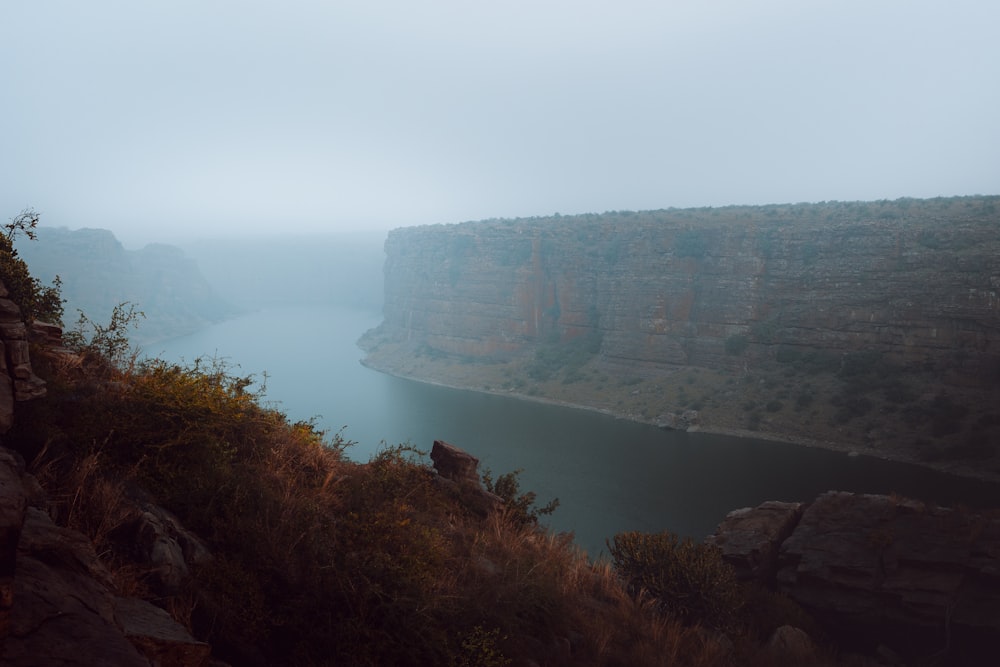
{"points": [[610, 475]]}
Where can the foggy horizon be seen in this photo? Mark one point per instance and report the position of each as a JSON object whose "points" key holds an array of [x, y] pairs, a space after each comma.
{"points": [[188, 121]]}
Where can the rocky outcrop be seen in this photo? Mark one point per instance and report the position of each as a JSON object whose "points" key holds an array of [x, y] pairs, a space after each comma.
{"points": [[456, 467], [751, 537], [17, 380], [455, 464], [916, 578], [916, 280], [57, 601]]}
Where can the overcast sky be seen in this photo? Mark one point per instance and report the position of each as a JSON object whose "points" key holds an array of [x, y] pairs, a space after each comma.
{"points": [[164, 119]]}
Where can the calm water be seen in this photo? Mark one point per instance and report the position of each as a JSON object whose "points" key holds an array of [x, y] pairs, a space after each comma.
{"points": [[610, 475]]}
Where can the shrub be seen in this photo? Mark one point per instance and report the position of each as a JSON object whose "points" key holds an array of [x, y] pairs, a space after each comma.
{"points": [[520, 507], [109, 342], [687, 579], [36, 301]]}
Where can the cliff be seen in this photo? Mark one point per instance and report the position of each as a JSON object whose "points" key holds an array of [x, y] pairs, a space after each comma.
{"points": [[918, 280], [919, 579], [98, 273], [904, 291], [276, 550]]}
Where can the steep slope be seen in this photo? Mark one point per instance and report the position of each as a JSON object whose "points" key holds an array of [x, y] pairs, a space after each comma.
{"points": [[858, 326], [917, 280]]}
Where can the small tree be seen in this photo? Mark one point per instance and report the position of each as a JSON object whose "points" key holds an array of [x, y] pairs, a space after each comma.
{"points": [[110, 341], [36, 301], [519, 506]]}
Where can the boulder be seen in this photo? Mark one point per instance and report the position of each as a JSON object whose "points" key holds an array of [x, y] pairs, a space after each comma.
{"points": [[157, 539], [58, 607], [63, 611], [161, 639], [750, 538], [457, 468], [789, 645], [454, 464], [882, 569]]}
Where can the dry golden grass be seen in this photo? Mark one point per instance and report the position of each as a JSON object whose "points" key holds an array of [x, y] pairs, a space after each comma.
{"points": [[319, 560]]}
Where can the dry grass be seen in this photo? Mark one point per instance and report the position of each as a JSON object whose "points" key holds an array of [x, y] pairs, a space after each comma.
{"points": [[319, 560]]}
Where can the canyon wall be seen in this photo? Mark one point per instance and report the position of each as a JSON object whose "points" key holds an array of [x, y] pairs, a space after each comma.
{"points": [[917, 280], [98, 273]]}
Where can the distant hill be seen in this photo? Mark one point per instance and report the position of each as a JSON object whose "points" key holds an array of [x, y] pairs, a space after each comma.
{"points": [[98, 273], [343, 269]]}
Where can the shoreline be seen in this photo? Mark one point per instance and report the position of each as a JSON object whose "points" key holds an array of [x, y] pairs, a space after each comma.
{"points": [[847, 449]]}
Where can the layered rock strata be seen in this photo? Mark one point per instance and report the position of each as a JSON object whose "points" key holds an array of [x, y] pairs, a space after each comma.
{"points": [[17, 380], [916, 280]]}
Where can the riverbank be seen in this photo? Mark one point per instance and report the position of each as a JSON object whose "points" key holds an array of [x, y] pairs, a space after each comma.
{"points": [[772, 403]]}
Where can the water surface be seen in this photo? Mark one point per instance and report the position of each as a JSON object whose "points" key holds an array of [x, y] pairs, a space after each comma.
{"points": [[609, 474]]}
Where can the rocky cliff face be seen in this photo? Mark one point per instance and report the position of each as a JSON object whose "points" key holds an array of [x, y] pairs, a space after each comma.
{"points": [[916, 280], [921, 579], [17, 380]]}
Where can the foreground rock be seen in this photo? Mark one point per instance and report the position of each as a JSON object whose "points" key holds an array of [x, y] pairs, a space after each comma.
{"points": [[921, 580], [461, 469], [751, 537], [57, 601]]}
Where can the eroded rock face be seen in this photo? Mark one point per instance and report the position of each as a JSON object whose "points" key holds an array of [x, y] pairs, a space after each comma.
{"points": [[17, 381], [879, 569], [57, 601], [455, 464], [887, 562], [157, 539], [751, 537], [458, 468], [13, 503], [913, 280]]}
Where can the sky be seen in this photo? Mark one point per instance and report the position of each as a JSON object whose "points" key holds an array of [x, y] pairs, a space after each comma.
{"points": [[165, 121]]}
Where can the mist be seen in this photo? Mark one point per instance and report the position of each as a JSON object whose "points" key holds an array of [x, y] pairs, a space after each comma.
{"points": [[182, 121]]}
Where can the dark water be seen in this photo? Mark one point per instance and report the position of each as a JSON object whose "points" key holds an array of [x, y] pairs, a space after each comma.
{"points": [[610, 475]]}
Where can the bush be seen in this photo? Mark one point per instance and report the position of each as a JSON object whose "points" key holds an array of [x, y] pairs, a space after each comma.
{"points": [[109, 342], [36, 301], [687, 579], [520, 507]]}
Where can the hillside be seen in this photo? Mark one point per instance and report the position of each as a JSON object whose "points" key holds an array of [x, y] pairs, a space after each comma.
{"points": [[868, 326], [98, 273], [155, 514]]}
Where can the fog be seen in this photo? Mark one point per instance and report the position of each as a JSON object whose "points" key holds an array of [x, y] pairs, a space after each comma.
{"points": [[172, 121]]}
